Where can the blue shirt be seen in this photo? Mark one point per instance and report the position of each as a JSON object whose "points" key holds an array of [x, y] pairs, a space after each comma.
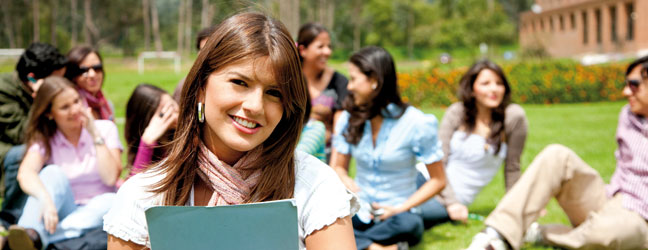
{"points": [[386, 174]]}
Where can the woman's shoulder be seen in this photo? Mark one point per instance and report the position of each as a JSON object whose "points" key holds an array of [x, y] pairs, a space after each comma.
{"points": [[514, 116], [310, 170], [139, 188]]}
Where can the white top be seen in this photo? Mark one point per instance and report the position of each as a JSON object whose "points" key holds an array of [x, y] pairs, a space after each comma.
{"points": [[320, 196], [471, 165]]}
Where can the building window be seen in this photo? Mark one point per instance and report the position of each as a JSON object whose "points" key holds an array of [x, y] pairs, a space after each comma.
{"points": [[613, 24], [585, 27], [599, 26], [572, 18], [631, 15]]}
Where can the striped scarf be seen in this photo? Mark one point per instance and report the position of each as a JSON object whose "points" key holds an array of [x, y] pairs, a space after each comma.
{"points": [[229, 184]]}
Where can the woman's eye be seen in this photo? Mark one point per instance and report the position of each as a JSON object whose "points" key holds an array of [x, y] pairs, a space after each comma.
{"points": [[238, 82], [274, 92]]}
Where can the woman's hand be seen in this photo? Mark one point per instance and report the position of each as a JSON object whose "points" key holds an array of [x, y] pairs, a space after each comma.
{"points": [[87, 121], [458, 212], [388, 211], [50, 216], [164, 118]]}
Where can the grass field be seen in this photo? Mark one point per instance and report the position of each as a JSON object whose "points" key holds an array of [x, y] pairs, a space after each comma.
{"points": [[586, 128]]}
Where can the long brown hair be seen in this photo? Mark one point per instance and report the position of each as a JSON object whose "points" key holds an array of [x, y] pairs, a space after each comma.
{"points": [[375, 63], [241, 37], [498, 134], [140, 109], [39, 127]]}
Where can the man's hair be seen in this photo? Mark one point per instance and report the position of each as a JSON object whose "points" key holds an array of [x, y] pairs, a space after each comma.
{"points": [[204, 34], [643, 62], [41, 59]]}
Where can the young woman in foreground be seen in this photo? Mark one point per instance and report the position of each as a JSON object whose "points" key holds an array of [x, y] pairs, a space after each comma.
{"points": [[241, 115]]}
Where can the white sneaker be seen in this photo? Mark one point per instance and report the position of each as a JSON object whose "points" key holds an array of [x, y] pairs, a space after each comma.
{"points": [[533, 234], [483, 241]]}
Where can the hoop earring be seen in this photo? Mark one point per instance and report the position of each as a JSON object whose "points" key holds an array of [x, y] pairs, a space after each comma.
{"points": [[201, 112]]}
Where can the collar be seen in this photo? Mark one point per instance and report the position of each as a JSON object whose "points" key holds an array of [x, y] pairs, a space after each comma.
{"points": [[392, 110], [60, 140], [636, 121]]}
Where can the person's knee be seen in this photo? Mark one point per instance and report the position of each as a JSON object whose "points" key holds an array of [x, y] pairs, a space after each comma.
{"points": [[408, 223], [555, 149], [53, 175]]}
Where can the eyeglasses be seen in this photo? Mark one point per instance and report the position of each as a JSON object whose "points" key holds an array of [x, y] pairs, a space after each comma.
{"points": [[97, 68], [633, 85]]}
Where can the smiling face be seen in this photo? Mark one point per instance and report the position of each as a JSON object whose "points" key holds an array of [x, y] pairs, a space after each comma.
{"points": [[638, 99], [360, 85], [242, 108], [92, 79], [488, 89], [318, 51], [66, 110]]}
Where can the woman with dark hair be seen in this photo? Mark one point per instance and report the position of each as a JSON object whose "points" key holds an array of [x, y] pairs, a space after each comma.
{"points": [[151, 116], [85, 69], [327, 88], [386, 137], [241, 114], [478, 134], [70, 195]]}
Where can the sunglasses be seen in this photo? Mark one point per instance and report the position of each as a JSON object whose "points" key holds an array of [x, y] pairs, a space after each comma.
{"points": [[97, 68], [633, 85]]}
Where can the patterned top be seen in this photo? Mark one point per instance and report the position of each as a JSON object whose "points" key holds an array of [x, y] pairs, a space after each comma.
{"points": [[631, 175], [386, 173], [313, 139]]}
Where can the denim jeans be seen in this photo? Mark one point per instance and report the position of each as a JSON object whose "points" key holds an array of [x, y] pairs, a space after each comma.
{"points": [[74, 220], [405, 226], [432, 211], [14, 197]]}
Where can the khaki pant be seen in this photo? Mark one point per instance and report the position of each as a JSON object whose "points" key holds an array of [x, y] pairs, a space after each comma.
{"points": [[598, 222]]}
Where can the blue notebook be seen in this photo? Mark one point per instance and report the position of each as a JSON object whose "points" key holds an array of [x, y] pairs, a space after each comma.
{"points": [[265, 225]]}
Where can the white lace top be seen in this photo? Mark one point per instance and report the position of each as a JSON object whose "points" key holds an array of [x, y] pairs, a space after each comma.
{"points": [[320, 196]]}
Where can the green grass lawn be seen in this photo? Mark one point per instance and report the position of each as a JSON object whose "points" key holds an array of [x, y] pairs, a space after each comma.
{"points": [[586, 128]]}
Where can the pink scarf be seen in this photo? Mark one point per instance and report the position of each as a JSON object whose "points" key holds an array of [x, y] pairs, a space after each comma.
{"points": [[229, 184], [97, 103]]}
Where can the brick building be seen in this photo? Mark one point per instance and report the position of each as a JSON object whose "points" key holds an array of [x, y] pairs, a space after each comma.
{"points": [[605, 29]]}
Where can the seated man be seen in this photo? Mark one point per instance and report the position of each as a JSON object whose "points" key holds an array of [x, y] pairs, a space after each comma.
{"points": [[612, 217], [17, 90]]}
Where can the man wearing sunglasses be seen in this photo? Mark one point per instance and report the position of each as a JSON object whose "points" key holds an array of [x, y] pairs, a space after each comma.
{"points": [[612, 216], [17, 90]]}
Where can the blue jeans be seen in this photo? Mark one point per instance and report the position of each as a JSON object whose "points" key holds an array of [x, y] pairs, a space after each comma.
{"points": [[14, 197], [405, 226], [74, 220], [432, 211]]}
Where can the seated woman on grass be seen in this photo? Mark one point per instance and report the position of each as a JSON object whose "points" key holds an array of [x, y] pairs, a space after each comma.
{"points": [[85, 69], [386, 137], [151, 117], [478, 134], [241, 114], [81, 155]]}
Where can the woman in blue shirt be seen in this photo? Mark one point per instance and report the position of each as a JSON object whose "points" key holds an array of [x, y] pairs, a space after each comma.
{"points": [[386, 137]]}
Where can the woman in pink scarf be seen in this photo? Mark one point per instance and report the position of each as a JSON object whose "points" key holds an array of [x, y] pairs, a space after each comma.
{"points": [[85, 69]]}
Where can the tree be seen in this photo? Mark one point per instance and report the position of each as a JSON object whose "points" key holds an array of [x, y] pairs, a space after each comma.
{"points": [[156, 26], [8, 24], [146, 9], [91, 32], [74, 16], [35, 15], [181, 26], [53, 15], [187, 29]]}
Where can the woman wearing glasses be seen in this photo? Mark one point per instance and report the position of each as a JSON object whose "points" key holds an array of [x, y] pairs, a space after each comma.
{"points": [[85, 69]]}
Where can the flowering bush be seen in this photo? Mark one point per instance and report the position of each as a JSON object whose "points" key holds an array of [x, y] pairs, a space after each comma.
{"points": [[531, 82]]}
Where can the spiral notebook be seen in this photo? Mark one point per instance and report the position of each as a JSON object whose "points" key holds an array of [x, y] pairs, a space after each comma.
{"points": [[264, 225]]}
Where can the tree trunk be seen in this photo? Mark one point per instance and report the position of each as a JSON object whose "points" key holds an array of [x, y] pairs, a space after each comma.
{"points": [[187, 30], [289, 15], [156, 26], [8, 24], [75, 20], [408, 33], [357, 23], [53, 16], [146, 8], [181, 26], [35, 15], [91, 31], [205, 20]]}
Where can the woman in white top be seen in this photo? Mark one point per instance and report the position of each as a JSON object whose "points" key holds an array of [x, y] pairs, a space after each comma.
{"points": [[478, 135], [241, 114]]}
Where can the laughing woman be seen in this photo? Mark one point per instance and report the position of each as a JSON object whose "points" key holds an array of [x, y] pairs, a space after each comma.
{"points": [[386, 137], [85, 69], [241, 114], [71, 194]]}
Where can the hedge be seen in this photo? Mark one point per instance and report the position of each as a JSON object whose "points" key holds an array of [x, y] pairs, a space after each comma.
{"points": [[531, 82]]}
